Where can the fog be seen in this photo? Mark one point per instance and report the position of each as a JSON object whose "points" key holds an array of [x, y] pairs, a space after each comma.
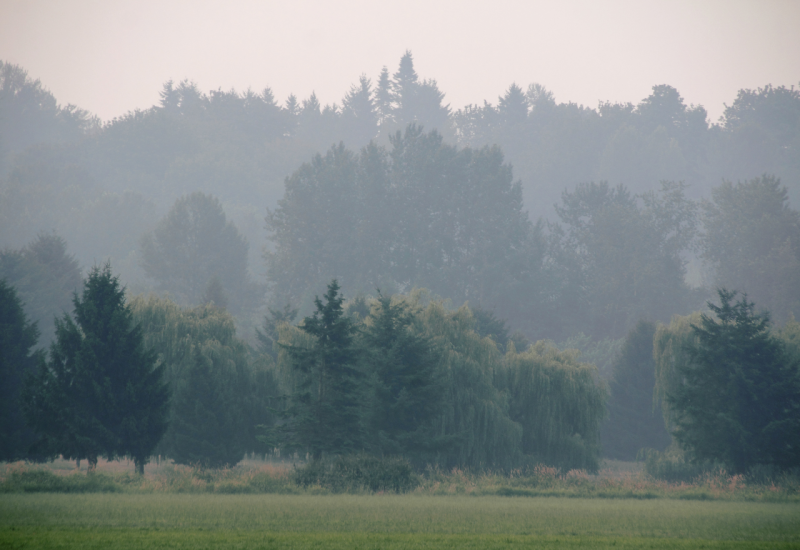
{"points": [[110, 58], [474, 195]]}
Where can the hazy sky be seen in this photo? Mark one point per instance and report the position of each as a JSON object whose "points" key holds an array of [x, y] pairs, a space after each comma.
{"points": [[111, 57]]}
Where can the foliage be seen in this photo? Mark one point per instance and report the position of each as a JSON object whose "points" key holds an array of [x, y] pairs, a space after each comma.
{"points": [[558, 402], [325, 409], [18, 359], [407, 382], [220, 392], [621, 260], [739, 400], [359, 472], [268, 335], [752, 242], [44, 276], [634, 420], [193, 246], [671, 345], [101, 392], [475, 411], [422, 214], [31, 114], [673, 466], [601, 353]]}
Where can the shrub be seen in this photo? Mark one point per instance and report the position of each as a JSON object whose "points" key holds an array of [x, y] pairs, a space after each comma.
{"points": [[672, 466], [358, 472]]}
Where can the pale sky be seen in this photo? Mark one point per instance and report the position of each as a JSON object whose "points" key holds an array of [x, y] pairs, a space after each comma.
{"points": [[110, 57]]}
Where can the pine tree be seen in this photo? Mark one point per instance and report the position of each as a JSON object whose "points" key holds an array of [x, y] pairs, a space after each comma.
{"points": [[739, 400], [17, 360], [100, 393]]}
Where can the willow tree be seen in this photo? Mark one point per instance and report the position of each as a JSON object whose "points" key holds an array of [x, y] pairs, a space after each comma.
{"points": [[220, 394], [558, 401], [670, 353], [475, 413]]}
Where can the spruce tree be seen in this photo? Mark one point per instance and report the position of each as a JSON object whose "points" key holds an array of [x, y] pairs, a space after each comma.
{"points": [[739, 400], [324, 415], [101, 392], [409, 385]]}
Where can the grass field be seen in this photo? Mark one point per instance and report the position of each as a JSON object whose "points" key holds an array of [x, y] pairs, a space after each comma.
{"points": [[387, 521]]}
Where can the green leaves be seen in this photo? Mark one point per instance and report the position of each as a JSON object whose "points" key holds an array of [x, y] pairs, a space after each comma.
{"points": [[739, 398], [101, 392]]}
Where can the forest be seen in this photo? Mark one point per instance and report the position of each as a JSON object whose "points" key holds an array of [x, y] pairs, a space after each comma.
{"points": [[504, 285]]}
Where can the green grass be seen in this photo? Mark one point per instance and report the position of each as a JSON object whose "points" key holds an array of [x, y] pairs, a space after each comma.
{"points": [[161, 520]]}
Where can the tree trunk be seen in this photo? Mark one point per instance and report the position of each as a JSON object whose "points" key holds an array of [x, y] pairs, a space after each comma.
{"points": [[139, 466], [91, 464]]}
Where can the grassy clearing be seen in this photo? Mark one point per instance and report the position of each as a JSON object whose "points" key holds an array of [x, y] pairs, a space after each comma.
{"points": [[387, 521]]}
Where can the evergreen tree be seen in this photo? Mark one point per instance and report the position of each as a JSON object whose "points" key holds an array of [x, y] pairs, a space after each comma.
{"points": [[633, 421], [100, 393], [17, 360], [358, 113], [408, 383], [513, 107], [739, 401], [383, 98], [325, 408]]}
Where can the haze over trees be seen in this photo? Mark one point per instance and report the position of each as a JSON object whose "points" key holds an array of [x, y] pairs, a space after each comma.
{"points": [[544, 234]]}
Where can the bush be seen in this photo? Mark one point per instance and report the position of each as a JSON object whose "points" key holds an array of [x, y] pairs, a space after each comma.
{"points": [[359, 472], [45, 481], [672, 466]]}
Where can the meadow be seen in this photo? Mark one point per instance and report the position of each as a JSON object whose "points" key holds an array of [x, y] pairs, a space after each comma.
{"points": [[257, 505], [47, 520]]}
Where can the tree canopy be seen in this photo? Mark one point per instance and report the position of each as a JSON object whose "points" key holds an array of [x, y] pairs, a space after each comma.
{"points": [[739, 398], [100, 393]]}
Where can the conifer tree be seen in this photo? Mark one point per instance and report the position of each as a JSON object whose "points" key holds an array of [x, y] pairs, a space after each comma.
{"points": [[101, 392], [18, 336], [739, 400], [383, 98], [325, 408], [409, 385]]}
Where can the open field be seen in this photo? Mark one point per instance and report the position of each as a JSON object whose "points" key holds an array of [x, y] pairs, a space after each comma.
{"points": [[387, 521]]}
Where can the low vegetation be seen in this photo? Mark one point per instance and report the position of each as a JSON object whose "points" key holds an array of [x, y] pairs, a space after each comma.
{"points": [[387, 521], [362, 474]]}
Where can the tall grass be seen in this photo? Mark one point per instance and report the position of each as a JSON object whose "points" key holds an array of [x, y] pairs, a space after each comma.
{"points": [[357, 475]]}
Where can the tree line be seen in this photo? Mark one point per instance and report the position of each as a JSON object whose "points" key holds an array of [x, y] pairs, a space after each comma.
{"points": [[398, 375], [72, 174]]}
